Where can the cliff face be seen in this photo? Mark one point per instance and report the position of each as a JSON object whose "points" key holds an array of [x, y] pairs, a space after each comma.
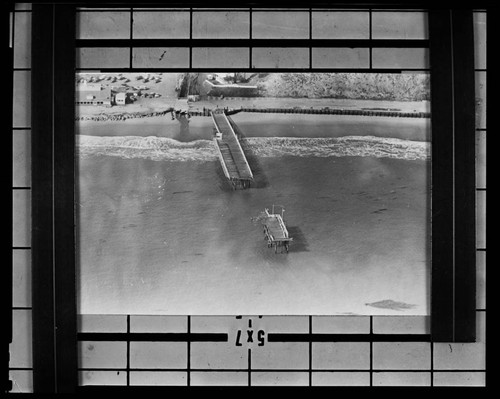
{"points": [[366, 86], [227, 91]]}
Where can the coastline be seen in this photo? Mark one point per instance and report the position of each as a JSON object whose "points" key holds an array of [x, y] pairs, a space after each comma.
{"points": [[266, 124], [260, 104], [169, 237]]}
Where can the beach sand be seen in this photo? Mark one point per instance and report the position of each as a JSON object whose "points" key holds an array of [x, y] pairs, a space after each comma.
{"points": [[276, 125]]}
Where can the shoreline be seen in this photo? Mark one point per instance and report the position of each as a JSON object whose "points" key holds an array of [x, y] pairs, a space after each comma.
{"points": [[265, 124], [272, 105]]}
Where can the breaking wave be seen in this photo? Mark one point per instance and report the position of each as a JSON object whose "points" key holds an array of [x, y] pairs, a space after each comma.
{"points": [[360, 146], [151, 147], [163, 148]]}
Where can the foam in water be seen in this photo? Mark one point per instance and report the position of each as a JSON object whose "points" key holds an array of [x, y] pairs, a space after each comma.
{"points": [[361, 146], [164, 149], [151, 147]]}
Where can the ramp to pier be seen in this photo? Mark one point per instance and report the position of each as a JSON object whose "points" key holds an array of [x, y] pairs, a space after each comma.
{"points": [[276, 228], [232, 157]]}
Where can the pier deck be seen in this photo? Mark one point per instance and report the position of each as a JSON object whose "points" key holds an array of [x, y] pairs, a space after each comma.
{"points": [[275, 228], [231, 155], [276, 232]]}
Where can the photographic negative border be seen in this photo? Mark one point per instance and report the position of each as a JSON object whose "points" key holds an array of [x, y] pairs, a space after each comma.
{"points": [[8, 51], [55, 354]]}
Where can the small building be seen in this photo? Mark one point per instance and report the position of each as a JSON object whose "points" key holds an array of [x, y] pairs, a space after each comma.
{"points": [[120, 98], [101, 97], [85, 86], [193, 97]]}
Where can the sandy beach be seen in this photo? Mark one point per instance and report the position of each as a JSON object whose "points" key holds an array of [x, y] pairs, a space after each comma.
{"points": [[277, 125], [163, 108]]}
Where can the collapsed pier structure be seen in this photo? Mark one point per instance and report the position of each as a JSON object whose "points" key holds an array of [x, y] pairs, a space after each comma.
{"points": [[238, 172], [232, 158], [275, 231]]}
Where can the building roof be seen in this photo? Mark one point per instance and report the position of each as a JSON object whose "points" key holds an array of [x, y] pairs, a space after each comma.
{"points": [[85, 86], [101, 95]]}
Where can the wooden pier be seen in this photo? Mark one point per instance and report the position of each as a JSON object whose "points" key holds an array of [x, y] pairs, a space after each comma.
{"points": [[232, 158], [275, 231]]}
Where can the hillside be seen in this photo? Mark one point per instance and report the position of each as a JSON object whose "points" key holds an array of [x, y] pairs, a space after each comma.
{"points": [[365, 86]]}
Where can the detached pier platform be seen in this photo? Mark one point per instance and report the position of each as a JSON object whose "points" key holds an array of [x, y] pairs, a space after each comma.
{"points": [[275, 231], [232, 158]]}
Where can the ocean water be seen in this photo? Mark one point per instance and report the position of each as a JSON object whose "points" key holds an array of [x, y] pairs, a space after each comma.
{"points": [[160, 232]]}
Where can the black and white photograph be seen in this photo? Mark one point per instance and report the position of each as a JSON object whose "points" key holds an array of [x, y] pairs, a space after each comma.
{"points": [[253, 193], [246, 195]]}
